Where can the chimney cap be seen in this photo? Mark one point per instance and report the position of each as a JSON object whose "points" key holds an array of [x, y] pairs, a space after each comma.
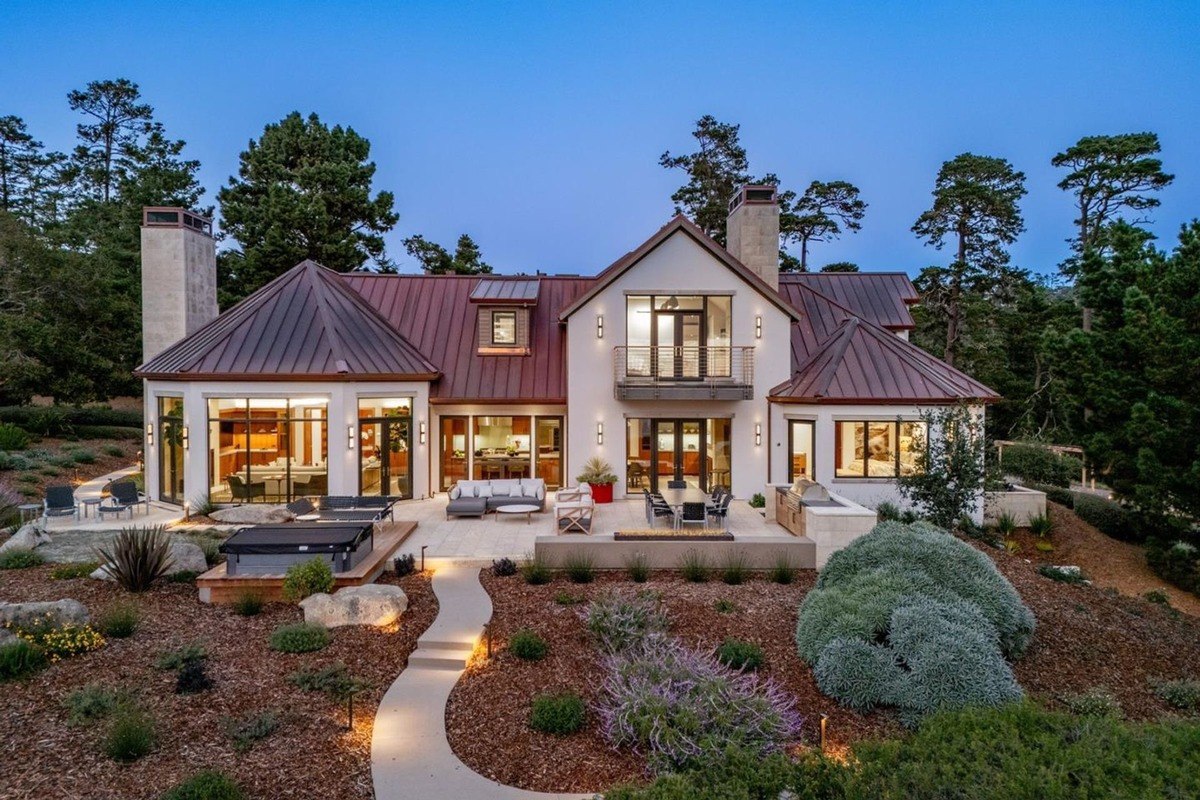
{"points": [[173, 217], [753, 194]]}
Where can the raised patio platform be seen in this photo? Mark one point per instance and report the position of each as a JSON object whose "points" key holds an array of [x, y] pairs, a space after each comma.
{"points": [[218, 587], [760, 551]]}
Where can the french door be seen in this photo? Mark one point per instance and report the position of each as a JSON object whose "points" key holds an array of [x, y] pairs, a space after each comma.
{"points": [[385, 457], [679, 453], [679, 340]]}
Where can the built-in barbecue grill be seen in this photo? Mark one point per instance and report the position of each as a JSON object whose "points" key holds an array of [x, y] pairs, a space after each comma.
{"points": [[790, 503]]}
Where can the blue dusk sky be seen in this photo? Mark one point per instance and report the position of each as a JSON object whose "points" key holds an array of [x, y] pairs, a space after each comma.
{"points": [[537, 128]]}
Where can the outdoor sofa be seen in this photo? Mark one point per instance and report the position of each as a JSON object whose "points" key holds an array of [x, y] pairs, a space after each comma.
{"points": [[476, 498]]}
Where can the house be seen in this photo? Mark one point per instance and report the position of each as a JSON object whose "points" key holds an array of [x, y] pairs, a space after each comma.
{"points": [[682, 360]]}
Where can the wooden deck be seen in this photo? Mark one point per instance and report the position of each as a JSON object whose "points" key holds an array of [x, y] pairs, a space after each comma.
{"points": [[217, 587]]}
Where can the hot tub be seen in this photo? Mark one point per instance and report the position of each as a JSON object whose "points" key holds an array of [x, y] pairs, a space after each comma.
{"points": [[271, 549]]}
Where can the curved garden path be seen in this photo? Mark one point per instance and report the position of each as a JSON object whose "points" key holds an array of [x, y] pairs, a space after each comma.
{"points": [[410, 756]]}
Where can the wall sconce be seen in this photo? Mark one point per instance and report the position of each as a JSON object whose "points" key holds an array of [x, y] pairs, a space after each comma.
{"points": [[421, 428], [599, 433], [758, 327], [185, 437], [757, 434], [150, 435], [599, 326], [350, 436]]}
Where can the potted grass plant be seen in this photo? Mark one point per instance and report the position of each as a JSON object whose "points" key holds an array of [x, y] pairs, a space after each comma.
{"points": [[598, 474]]}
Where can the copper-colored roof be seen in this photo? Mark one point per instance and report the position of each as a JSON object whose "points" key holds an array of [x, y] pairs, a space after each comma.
{"points": [[679, 223], [883, 298], [434, 313], [306, 323], [506, 291]]}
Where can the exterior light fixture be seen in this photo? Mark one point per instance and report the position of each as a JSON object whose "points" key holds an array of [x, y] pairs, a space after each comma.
{"points": [[599, 326], [824, 723], [599, 433], [150, 435], [758, 327], [187, 510], [421, 428], [757, 434], [350, 436], [185, 437]]}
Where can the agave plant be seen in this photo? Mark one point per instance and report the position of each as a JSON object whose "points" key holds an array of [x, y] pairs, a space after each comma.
{"points": [[137, 557]]}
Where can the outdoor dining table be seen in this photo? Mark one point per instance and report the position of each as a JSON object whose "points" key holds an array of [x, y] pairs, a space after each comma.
{"points": [[675, 498]]}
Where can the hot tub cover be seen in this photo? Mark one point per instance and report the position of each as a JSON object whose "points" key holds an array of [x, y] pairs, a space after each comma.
{"points": [[298, 537]]}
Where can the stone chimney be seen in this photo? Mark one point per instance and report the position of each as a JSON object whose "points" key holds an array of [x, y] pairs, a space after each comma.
{"points": [[752, 231], [179, 276]]}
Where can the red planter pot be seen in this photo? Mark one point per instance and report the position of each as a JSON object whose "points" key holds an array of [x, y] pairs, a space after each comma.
{"points": [[602, 492]]}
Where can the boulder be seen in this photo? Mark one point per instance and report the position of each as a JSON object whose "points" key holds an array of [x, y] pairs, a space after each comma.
{"points": [[252, 514], [28, 537], [57, 612], [101, 573], [373, 604], [187, 557]]}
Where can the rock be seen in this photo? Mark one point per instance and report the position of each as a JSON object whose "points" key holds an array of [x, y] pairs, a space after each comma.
{"points": [[101, 573], [373, 604], [252, 514], [58, 612], [28, 537], [1068, 569], [187, 557], [7, 637]]}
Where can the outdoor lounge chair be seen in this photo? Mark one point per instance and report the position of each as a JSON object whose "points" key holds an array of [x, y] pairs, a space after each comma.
{"points": [[573, 509], [60, 502], [245, 492], [692, 514], [124, 497]]}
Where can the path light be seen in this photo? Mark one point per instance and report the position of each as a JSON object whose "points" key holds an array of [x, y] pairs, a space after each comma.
{"points": [[423, 556], [487, 639], [824, 723], [353, 690], [187, 510]]}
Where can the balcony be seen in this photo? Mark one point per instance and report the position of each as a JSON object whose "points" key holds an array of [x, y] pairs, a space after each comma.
{"points": [[683, 373]]}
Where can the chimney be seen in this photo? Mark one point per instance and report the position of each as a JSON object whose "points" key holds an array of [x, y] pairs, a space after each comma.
{"points": [[179, 276], [752, 231]]}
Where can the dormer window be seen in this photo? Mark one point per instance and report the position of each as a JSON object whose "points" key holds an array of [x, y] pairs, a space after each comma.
{"points": [[503, 331]]}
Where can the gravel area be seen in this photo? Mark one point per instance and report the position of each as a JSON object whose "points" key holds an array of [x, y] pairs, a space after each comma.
{"points": [[311, 755]]}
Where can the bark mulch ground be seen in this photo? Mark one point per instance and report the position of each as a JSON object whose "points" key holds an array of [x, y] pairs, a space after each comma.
{"points": [[311, 754], [1087, 637], [488, 712]]}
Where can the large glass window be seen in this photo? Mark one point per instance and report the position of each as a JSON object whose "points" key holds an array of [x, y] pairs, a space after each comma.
{"points": [[801, 448], [454, 433], [719, 456], [548, 438], [266, 449], [501, 447], [504, 327], [170, 450], [678, 336], [385, 446], [877, 449]]}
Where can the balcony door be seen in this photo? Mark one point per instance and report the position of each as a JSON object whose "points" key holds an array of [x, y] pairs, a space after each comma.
{"points": [[679, 344]]}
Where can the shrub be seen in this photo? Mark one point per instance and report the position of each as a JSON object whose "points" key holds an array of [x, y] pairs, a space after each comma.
{"points": [[1040, 525], [740, 655], [783, 571], [183, 576], [119, 620], [66, 572], [558, 714], [20, 658], [307, 578], [83, 457], [1095, 702], [568, 599], [579, 567], [694, 566], [1177, 563], [1057, 494], [949, 472], [404, 565], [886, 511], [333, 679], [137, 557], [1110, 518], [299, 637], [638, 567], [535, 570], [20, 558], [1033, 462], [207, 785], [1043, 546], [860, 674], [192, 678], [683, 708], [725, 606], [1062, 574], [1158, 597], [248, 731], [1183, 695], [504, 567], [53, 420], [175, 659], [527, 645], [212, 552], [92, 703], [248, 603], [12, 437], [734, 571], [60, 641], [112, 450], [204, 506], [1006, 525], [862, 584], [619, 621], [758, 500], [130, 736]]}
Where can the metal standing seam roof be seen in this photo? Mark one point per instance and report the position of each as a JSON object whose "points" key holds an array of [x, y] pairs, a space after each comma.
{"points": [[883, 298], [306, 323], [434, 312], [506, 291]]}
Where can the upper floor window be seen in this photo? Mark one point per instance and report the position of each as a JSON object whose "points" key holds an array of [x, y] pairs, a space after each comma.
{"points": [[679, 336], [503, 331], [877, 449]]}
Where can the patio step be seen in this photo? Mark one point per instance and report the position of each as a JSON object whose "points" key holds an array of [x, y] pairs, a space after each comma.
{"points": [[440, 657], [460, 645]]}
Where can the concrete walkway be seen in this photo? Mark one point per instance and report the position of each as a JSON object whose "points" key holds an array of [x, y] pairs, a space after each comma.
{"points": [[410, 757]]}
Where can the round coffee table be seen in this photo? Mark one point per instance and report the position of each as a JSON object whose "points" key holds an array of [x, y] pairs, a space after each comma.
{"points": [[527, 510]]}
